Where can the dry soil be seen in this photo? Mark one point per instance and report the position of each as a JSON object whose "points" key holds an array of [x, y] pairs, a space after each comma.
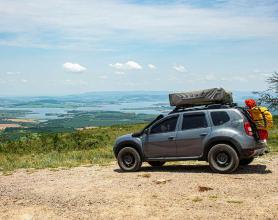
{"points": [[171, 192]]}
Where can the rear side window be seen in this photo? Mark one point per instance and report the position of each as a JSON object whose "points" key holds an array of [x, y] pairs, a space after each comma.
{"points": [[219, 118], [167, 125], [193, 121]]}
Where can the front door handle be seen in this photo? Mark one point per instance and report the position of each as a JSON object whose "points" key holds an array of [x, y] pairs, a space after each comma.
{"points": [[171, 138], [204, 134]]}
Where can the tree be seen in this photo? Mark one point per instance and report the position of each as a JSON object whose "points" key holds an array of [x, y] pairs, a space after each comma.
{"points": [[270, 95]]}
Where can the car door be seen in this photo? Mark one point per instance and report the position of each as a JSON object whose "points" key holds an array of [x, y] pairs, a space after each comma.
{"points": [[160, 141], [192, 132]]}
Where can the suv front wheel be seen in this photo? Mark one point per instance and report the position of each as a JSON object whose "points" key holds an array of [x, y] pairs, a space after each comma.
{"points": [[223, 158], [129, 159]]}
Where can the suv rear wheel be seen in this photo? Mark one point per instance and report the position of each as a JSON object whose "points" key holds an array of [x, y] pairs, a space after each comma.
{"points": [[223, 158], [246, 161], [156, 163], [129, 159]]}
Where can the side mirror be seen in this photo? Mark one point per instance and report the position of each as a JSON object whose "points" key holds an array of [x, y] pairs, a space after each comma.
{"points": [[146, 131]]}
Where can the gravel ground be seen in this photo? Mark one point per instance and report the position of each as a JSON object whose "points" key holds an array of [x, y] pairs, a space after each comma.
{"points": [[171, 192]]}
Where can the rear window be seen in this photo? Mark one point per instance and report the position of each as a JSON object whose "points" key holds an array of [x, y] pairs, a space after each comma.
{"points": [[193, 121], [219, 118]]}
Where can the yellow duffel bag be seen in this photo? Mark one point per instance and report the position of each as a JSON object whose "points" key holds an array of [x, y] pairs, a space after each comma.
{"points": [[262, 117]]}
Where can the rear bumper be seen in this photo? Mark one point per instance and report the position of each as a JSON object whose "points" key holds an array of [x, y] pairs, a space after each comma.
{"points": [[258, 150]]}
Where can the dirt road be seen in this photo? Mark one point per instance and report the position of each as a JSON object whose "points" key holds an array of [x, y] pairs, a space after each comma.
{"points": [[171, 192]]}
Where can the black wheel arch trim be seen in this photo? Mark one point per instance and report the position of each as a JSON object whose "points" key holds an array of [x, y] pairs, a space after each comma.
{"points": [[218, 140], [128, 144]]}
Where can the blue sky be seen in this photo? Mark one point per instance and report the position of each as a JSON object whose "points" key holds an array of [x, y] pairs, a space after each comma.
{"points": [[58, 47]]}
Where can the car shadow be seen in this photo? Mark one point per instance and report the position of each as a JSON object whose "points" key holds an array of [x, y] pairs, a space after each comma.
{"points": [[250, 169]]}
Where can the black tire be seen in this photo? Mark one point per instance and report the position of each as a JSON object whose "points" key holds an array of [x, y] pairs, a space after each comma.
{"points": [[156, 163], [223, 158], [129, 159], [246, 161]]}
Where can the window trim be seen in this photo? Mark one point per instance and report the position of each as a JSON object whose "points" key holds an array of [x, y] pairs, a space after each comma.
{"points": [[161, 121], [192, 114], [210, 114]]}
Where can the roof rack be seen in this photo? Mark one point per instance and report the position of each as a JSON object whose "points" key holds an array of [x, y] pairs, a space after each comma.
{"points": [[204, 107]]}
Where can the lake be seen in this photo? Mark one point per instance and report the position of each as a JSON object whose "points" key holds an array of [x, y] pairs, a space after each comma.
{"points": [[137, 102]]}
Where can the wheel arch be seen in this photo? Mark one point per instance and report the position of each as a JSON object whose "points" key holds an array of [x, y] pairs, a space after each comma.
{"points": [[222, 140], [129, 144]]}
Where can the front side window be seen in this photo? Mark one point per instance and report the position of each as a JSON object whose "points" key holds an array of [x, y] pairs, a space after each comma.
{"points": [[219, 118], [167, 125], [193, 121]]}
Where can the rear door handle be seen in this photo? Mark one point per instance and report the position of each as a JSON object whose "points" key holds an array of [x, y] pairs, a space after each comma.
{"points": [[203, 134], [171, 138]]}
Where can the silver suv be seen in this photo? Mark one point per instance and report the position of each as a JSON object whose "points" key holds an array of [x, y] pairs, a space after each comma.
{"points": [[222, 135]]}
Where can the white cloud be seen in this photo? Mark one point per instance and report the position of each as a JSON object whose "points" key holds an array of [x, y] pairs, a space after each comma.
{"points": [[117, 65], [84, 24], [129, 65], [74, 67], [151, 66], [13, 73], [180, 68], [133, 65]]}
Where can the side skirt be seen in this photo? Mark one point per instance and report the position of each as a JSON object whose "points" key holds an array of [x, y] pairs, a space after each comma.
{"points": [[172, 158]]}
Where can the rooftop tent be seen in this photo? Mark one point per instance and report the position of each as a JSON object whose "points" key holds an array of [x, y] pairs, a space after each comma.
{"points": [[201, 97]]}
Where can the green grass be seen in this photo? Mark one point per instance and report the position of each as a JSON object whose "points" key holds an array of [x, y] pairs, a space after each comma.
{"points": [[70, 149], [273, 136], [54, 159], [93, 146]]}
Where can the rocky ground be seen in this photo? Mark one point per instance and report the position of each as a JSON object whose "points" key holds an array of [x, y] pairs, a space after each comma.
{"points": [[182, 191]]}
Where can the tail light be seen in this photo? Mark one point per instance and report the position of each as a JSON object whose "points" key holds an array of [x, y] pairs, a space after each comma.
{"points": [[263, 134], [248, 129]]}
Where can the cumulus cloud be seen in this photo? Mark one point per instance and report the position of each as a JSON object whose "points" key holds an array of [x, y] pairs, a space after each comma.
{"points": [[129, 65], [180, 68], [152, 66], [74, 67]]}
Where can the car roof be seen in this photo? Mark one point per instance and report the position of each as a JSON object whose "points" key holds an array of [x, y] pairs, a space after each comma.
{"points": [[201, 108]]}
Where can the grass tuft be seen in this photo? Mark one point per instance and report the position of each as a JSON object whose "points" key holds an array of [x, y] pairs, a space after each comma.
{"points": [[197, 199], [235, 201]]}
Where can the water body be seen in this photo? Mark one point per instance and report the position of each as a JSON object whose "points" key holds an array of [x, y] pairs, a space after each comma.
{"points": [[136, 102], [53, 113]]}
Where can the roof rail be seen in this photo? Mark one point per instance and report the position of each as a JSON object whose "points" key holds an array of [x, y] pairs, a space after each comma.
{"points": [[204, 107]]}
